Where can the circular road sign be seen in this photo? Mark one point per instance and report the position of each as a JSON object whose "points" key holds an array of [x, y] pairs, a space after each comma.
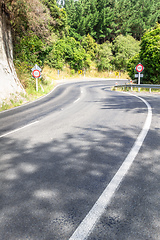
{"points": [[36, 73], [139, 68]]}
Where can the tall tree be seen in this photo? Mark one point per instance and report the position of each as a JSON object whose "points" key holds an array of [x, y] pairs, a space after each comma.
{"points": [[106, 19], [104, 24], [136, 16], [82, 17]]}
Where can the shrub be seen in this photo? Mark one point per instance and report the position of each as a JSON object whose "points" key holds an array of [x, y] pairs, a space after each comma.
{"points": [[150, 55]]}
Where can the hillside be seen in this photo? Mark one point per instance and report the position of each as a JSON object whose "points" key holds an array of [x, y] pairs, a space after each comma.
{"points": [[99, 35]]}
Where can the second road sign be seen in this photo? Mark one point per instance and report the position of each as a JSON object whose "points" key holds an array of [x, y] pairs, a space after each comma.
{"points": [[36, 73], [139, 68]]}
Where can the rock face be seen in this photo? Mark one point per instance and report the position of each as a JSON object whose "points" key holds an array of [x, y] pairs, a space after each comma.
{"points": [[9, 82]]}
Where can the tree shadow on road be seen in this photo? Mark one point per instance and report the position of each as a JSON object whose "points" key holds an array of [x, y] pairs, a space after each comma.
{"points": [[47, 188], [134, 211]]}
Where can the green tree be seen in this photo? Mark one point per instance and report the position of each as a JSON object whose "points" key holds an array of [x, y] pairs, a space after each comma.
{"points": [[104, 26], [89, 45], [135, 17], [132, 63], [58, 21], [124, 48], [68, 51], [55, 58], [29, 51], [105, 20], [104, 56], [82, 17]]}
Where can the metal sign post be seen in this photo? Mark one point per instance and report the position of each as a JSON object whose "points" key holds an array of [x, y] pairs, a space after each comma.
{"points": [[139, 68], [37, 84]]}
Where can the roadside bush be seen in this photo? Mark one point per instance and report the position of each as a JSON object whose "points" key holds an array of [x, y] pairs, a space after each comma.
{"points": [[150, 55], [132, 63], [29, 50], [124, 48]]}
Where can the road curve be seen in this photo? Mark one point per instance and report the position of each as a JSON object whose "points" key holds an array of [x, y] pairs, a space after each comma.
{"points": [[58, 155]]}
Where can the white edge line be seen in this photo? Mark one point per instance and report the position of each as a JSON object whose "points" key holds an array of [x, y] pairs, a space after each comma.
{"points": [[87, 225], [79, 97], [76, 100], [18, 129]]}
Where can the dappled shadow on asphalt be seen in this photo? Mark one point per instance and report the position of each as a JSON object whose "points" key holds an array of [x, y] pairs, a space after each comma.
{"points": [[127, 104], [48, 188], [134, 211]]}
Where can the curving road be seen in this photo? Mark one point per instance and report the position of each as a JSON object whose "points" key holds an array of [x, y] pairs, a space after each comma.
{"points": [[58, 155]]}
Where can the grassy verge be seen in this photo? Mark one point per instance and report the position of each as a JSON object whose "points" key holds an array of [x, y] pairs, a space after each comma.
{"points": [[135, 89]]}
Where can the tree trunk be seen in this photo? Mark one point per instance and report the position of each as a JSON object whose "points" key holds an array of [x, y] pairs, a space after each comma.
{"points": [[9, 82]]}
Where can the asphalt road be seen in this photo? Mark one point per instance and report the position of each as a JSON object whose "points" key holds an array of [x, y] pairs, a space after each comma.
{"points": [[58, 154]]}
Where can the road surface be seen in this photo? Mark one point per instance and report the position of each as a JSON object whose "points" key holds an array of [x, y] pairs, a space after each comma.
{"points": [[59, 154]]}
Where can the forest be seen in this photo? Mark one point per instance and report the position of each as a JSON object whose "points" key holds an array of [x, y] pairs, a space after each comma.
{"points": [[111, 35]]}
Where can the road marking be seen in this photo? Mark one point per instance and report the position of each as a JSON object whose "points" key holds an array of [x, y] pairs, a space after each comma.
{"points": [[18, 129], [76, 100], [89, 222], [79, 97]]}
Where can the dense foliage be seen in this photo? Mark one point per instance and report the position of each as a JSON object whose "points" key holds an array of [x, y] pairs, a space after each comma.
{"points": [[124, 48], [109, 34], [106, 19], [69, 51], [149, 56]]}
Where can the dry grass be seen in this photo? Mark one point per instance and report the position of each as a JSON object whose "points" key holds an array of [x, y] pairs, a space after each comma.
{"points": [[67, 73]]}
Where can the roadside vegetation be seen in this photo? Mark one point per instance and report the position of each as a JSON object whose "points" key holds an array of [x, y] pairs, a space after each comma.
{"points": [[97, 38]]}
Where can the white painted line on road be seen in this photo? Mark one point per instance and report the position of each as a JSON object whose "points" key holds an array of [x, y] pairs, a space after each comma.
{"points": [[87, 225], [79, 97], [18, 129], [76, 100]]}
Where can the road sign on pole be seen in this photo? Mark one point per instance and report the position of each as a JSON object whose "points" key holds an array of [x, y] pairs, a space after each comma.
{"points": [[139, 68], [36, 67], [36, 73], [136, 75]]}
